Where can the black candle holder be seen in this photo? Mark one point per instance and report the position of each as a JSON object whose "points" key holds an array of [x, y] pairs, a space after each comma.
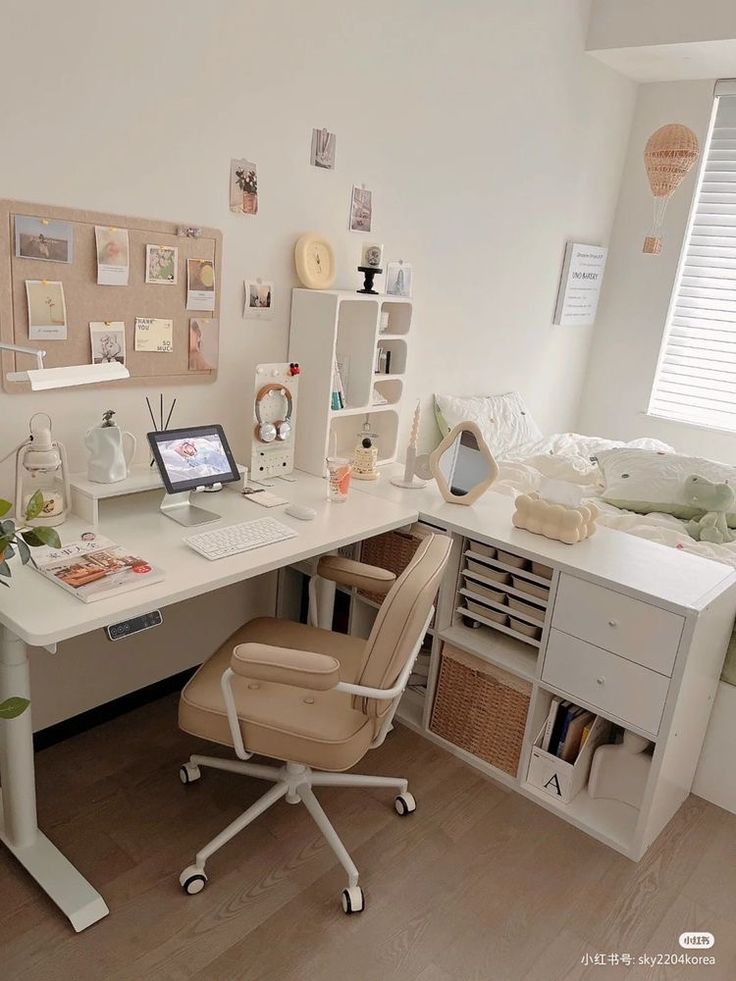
{"points": [[369, 274]]}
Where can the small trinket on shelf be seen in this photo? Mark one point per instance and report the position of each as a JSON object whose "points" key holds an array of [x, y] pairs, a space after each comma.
{"points": [[410, 481], [365, 455]]}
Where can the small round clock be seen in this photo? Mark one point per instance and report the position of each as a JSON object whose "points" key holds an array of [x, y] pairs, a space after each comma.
{"points": [[315, 261]]}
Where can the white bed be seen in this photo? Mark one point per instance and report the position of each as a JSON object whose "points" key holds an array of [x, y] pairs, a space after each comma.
{"points": [[567, 457]]}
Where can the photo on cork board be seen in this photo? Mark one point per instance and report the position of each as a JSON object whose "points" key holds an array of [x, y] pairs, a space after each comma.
{"points": [[46, 310], [42, 238], [113, 256], [162, 262], [107, 341], [200, 284], [203, 344]]}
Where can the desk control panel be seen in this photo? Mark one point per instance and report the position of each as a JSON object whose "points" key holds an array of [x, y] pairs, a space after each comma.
{"points": [[126, 628]]}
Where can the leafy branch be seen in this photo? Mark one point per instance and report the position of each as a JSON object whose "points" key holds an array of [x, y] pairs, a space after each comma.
{"points": [[20, 541]]}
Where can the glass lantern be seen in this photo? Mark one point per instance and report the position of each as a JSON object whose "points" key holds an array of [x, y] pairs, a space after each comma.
{"points": [[41, 465]]}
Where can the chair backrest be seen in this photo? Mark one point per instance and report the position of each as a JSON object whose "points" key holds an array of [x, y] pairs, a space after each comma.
{"points": [[400, 620]]}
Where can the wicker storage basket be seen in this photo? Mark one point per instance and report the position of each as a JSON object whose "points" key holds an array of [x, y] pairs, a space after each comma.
{"points": [[480, 708], [393, 550]]}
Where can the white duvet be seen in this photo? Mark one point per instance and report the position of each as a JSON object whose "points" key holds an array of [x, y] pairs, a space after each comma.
{"points": [[567, 456]]}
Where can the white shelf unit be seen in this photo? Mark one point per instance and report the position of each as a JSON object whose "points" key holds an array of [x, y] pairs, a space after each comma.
{"points": [[338, 326], [675, 741]]}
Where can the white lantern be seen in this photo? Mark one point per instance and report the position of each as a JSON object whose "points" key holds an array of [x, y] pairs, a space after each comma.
{"points": [[41, 465]]}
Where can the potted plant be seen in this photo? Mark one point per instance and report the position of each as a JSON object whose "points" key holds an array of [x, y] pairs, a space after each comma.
{"points": [[248, 184], [20, 541]]}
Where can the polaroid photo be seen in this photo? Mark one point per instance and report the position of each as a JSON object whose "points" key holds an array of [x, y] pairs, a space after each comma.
{"points": [[46, 310], [323, 149], [162, 263], [361, 209], [113, 256], [203, 344], [200, 284], [398, 278], [42, 238], [243, 187], [257, 300], [152, 334], [107, 341]]}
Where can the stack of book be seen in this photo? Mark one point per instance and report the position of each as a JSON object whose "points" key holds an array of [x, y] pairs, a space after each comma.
{"points": [[567, 729]]}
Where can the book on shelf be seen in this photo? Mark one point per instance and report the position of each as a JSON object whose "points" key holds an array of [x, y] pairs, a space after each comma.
{"points": [[342, 365], [573, 739], [552, 715], [566, 730], [336, 399], [95, 568]]}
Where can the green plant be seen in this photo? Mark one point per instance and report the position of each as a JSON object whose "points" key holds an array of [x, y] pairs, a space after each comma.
{"points": [[22, 540], [11, 708], [11, 541]]}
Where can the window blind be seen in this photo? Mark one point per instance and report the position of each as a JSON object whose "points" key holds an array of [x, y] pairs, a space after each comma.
{"points": [[696, 375]]}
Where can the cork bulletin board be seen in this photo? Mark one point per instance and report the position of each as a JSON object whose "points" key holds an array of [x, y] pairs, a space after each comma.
{"points": [[86, 301]]}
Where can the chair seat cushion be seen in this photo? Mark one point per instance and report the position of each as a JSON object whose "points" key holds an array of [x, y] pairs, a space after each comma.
{"points": [[319, 728]]}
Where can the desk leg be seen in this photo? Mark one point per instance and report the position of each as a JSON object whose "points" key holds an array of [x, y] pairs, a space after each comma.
{"points": [[18, 823]]}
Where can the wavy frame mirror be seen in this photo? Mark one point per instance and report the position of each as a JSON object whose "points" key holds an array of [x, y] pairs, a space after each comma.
{"points": [[463, 465]]}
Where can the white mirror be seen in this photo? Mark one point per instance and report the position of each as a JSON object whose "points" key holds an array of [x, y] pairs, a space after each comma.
{"points": [[462, 465]]}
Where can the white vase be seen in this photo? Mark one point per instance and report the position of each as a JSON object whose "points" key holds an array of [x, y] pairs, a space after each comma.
{"points": [[108, 460]]}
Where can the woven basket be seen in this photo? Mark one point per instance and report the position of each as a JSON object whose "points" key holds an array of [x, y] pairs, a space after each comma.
{"points": [[393, 550], [480, 708]]}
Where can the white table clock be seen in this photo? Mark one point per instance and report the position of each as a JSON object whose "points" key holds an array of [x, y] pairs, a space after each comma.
{"points": [[315, 261]]}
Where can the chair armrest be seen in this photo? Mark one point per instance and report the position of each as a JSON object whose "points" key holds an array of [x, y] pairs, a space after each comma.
{"points": [[347, 572], [285, 666]]}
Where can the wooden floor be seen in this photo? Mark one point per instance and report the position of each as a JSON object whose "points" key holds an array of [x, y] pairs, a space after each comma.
{"points": [[478, 884]]}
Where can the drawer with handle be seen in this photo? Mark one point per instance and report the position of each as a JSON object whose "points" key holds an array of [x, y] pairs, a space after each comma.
{"points": [[618, 623], [610, 683]]}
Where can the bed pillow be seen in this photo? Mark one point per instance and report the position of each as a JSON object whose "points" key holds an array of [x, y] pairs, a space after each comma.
{"points": [[648, 481], [504, 420]]}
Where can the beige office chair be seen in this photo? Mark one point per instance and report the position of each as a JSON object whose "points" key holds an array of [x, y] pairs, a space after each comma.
{"points": [[315, 699]]}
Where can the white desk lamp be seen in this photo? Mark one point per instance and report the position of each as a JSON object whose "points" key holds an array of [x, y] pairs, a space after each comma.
{"points": [[79, 374]]}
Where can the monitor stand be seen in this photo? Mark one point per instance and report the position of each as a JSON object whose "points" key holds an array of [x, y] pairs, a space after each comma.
{"points": [[179, 508]]}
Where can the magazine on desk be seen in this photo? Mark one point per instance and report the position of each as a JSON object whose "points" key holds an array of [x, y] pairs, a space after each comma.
{"points": [[94, 568]]}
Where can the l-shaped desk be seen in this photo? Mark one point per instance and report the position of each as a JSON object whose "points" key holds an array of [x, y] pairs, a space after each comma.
{"points": [[632, 629]]}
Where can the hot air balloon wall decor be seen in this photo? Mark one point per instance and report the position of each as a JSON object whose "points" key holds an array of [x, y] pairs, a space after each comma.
{"points": [[669, 156]]}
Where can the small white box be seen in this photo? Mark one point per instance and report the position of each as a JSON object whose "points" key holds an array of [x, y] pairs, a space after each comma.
{"points": [[565, 780]]}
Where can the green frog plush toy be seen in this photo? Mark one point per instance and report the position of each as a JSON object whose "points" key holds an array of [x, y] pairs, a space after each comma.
{"points": [[717, 500]]}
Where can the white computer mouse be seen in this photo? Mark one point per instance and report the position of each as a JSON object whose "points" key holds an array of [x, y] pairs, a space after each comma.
{"points": [[301, 511]]}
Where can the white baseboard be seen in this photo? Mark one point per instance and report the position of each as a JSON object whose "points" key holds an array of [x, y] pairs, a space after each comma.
{"points": [[715, 777]]}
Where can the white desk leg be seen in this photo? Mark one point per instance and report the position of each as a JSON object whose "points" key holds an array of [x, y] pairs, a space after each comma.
{"points": [[18, 824]]}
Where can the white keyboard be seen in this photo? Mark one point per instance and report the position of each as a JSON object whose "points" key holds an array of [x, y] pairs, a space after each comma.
{"points": [[221, 542]]}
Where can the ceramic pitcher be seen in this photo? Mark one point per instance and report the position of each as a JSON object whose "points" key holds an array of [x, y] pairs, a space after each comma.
{"points": [[108, 460]]}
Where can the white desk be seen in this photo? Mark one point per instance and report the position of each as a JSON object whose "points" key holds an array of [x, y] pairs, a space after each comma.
{"points": [[38, 613]]}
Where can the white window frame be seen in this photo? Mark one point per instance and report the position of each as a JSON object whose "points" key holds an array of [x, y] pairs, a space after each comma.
{"points": [[722, 87]]}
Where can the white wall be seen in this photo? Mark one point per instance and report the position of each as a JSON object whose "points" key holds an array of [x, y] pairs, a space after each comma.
{"points": [[625, 23], [487, 134], [637, 288], [632, 315]]}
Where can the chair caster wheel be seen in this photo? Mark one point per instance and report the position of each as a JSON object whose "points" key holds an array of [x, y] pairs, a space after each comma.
{"points": [[405, 803], [353, 900], [192, 880], [189, 773]]}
